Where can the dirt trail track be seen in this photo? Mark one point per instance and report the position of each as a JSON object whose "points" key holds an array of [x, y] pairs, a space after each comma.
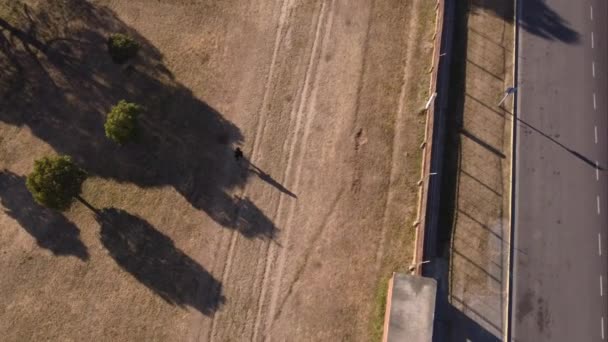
{"points": [[326, 95]]}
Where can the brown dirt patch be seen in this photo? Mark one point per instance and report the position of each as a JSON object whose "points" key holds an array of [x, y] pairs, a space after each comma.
{"points": [[189, 244]]}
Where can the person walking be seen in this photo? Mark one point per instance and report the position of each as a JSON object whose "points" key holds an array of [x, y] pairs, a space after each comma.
{"points": [[238, 154]]}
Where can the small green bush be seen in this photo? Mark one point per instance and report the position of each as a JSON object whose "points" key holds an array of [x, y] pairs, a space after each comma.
{"points": [[55, 181], [122, 47], [121, 123]]}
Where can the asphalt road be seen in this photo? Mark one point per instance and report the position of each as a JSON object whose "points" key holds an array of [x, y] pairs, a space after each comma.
{"points": [[560, 280]]}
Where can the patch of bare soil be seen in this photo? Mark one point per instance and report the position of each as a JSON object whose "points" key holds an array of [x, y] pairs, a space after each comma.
{"points": [[178, 240]]}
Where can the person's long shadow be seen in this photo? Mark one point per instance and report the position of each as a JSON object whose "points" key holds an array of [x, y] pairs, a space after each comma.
{"points": [[51, 229], [576, 154], [251, 167], [536, 18], [63, 94], [154, 260]]}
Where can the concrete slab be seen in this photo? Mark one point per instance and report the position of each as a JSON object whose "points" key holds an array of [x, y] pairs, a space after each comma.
{"points": [[410, 308]]}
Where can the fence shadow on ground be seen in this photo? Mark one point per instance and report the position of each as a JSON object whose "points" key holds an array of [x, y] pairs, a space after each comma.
{"points": [[59, 81], [153, 259], [461, 279], [536, 18], [464, 329], [51, 229]]}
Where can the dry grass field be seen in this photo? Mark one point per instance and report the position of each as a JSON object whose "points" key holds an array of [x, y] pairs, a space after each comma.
{"points": [[177, 240]]}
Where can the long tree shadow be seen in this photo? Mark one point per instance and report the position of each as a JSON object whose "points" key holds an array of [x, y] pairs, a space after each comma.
{"points": [[536, 18], [51, 229], [244, 217], [61, 82], [154, 260]]}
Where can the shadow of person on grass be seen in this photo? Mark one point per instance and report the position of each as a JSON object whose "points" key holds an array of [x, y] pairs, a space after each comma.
{"points": [[51, 229], [154, 260], [63, 85], [267, 178]]}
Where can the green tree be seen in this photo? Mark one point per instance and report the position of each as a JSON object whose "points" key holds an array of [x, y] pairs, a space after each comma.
{"points": [[122, 47], [55, 181], [121, 123]]}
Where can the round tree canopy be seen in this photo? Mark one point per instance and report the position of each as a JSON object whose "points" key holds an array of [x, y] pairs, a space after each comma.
{"points": [[55, 181], [122, 47], [121, 123]]}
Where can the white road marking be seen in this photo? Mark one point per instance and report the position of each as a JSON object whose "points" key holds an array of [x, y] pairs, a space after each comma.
{"points": [[595, 134], [599, 244], [601, 286], [591, 12], [593, 69], [597, 171], [598, 204], [592, 41], [602, 327], [594, 103]]}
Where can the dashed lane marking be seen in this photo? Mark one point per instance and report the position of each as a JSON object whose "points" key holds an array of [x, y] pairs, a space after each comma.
{"points": [[595, 134], [594, 102]]}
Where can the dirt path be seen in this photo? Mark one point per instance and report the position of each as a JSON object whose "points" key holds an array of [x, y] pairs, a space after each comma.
{"points": [[326, 96]]}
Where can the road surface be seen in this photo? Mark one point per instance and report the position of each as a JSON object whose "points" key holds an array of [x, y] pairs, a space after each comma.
{"points": [[560, 281]]}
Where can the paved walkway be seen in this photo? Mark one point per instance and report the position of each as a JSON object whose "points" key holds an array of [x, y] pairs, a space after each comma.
{"points": [[478, 248]]}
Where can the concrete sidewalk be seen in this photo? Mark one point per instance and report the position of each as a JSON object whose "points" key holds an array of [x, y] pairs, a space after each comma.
{"points": [[476, 221]]}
